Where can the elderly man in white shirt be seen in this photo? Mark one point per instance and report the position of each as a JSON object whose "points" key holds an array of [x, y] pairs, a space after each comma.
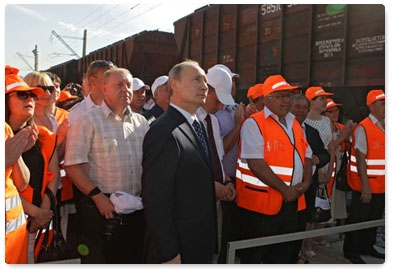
{"points": [[103, 156]]}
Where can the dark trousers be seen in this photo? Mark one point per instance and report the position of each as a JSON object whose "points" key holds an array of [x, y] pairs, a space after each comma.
{"points": [[362, 241], [230, 228], [126, 245], [255, 225]]}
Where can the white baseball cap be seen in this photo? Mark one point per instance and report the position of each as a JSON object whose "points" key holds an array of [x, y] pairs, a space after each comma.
{"points": [[158, 82], [231, 74], [221, 81], [138, 84]]}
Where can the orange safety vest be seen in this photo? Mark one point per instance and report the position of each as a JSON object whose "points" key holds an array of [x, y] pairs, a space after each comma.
{"points": [[16, 234], [375, 159], [48, 141], [252, 193], [66, 192], [334, 166], [61, 114]]}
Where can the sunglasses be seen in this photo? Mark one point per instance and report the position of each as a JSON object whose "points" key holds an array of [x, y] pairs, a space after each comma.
{"points": [[99, 64], [25, 95], [50, 89]]}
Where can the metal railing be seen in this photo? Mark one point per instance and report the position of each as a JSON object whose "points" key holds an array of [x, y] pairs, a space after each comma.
{"points": [[235, 245]]}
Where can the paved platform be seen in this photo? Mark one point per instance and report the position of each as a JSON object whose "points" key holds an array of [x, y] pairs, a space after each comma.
{"points": [[334, 253]]}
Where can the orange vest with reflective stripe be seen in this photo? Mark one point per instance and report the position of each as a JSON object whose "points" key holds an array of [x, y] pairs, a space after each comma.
{"points": [[16, 234], [375, 159], [47, 141], [252, 193]]}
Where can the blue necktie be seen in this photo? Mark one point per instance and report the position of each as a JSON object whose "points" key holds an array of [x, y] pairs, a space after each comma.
{"points": [[199, 132]]}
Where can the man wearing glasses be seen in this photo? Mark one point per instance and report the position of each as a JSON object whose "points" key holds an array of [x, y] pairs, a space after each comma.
{"points": [[273, 172]]}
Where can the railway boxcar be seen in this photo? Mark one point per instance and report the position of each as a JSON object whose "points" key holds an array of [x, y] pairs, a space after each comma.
{"points": [[67, 71], [339, 47], [147, 55]]}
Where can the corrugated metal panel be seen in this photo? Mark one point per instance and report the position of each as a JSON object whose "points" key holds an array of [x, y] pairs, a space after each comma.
{"points": [[330, 45]]}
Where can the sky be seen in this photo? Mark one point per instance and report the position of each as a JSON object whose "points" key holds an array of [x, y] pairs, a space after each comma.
{"points": [[31, 25]]}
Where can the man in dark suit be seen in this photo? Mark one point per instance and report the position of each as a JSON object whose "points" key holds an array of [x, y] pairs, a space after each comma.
{"points": [[178, 182], [300, 108]]}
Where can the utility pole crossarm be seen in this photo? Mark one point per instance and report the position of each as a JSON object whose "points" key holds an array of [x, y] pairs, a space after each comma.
{"points": [[24, 60], [64, 43]]}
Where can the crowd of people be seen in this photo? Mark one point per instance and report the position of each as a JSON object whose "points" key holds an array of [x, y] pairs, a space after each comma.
{"points": [[170, 173]]}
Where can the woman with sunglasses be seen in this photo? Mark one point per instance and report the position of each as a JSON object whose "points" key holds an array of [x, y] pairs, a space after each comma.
{"points": [[42, 111], [41, 159]]}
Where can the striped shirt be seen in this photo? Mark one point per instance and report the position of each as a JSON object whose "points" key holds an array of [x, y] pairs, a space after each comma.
{"points": [[111, 147]]}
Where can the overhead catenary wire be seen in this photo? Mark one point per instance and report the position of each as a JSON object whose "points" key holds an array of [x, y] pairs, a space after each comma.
{"points": [[101, 23], [91, 32]]}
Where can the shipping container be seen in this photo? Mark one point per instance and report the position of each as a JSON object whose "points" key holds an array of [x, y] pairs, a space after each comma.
{"points": [[338, 47]]}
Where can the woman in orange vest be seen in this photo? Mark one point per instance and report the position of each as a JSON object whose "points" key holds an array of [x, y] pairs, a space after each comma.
{"points": [[41, 159], [16, 178], [341, 134]]}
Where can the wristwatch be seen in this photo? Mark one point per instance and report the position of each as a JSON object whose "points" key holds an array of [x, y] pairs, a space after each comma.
{"points": [[94, 192]]}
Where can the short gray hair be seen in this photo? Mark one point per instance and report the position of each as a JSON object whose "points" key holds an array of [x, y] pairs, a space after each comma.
{"points": [[301, 97]]}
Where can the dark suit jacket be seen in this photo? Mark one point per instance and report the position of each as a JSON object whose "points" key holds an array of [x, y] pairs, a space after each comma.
{"points": [[178, 193], [153, 114]]}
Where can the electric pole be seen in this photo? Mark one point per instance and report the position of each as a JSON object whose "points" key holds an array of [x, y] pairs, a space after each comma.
{"points": [[84, 45], [35, 52]]}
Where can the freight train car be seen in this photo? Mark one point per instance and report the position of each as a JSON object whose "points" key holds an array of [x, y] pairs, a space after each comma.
{"points": [[338, 47], [67, 71], [147, 55]]}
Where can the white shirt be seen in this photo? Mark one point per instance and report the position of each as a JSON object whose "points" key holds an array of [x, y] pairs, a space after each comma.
{"points": [[190, 118], [81, 108], [360, 136], [111, 147]]}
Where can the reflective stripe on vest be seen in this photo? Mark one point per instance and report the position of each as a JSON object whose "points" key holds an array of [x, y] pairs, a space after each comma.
{"points": [[332, 179], [279, 171], [14, 203], [333, 170], [374, 158], [369, 164]]}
